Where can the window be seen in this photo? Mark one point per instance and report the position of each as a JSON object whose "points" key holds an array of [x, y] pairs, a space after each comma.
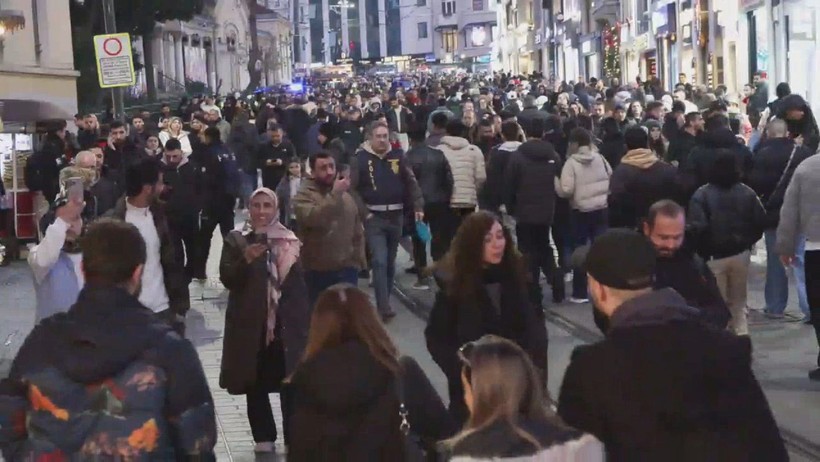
{"points": [[448, 8], [449, 40], [422, 30], [478, 5], [421, 2]]}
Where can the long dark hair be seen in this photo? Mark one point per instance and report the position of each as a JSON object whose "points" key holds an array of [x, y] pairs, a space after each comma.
{"points": [[464, 262]]}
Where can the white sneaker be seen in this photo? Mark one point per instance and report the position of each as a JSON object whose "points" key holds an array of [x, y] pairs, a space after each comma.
{"points": [[578, 301], [264, 446]]}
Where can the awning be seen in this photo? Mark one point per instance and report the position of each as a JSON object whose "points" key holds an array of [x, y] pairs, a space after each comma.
{"points": [[446, 26], [480, 23], [24, 111]]}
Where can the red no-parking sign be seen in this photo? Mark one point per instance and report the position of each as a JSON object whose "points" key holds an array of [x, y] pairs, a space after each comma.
{"points": [[115, 65]]}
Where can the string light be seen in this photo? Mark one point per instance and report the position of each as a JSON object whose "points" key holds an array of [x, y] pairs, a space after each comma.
{"points": [[612, 51]]}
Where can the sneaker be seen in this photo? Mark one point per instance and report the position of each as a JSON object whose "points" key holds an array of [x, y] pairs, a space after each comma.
{"points": [[264, 447], [815, 374], [421, 285], [578, 301]]}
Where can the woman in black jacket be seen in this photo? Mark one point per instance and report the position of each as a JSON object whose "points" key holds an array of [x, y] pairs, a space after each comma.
{"points": [[728, 219], [345, 397], [483, 291], [509, 414]]}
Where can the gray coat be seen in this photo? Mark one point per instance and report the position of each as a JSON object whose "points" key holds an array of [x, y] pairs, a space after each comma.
{"points": [[800, 214], [244, 355]]}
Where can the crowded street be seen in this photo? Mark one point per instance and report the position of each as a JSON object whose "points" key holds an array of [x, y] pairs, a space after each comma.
{"points": [[321, 231]]}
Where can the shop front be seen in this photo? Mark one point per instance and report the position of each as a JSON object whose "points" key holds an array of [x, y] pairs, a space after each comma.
{"points": [[664, 28], [590, 57]]}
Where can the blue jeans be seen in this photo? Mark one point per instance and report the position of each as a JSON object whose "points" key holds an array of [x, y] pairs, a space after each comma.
{"points": [[382, 232], [249, 185], [776, 290], [586, 226], [318, 281]]}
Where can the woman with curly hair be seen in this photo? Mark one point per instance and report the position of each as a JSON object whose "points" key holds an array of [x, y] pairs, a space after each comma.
{"points": [[483, 291]]}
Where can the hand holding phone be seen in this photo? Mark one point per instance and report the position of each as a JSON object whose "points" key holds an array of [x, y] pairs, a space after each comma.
{"points": [[74, 189]]}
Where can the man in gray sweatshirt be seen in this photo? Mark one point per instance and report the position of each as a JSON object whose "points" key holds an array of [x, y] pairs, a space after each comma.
{"points": [[800, 216]]}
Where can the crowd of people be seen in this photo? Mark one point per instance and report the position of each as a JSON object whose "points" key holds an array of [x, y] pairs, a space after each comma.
{"points": [[649, 202]]}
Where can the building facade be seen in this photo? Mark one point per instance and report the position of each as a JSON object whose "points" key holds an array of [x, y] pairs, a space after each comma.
{"points": [[37, 60], [213, 48]]}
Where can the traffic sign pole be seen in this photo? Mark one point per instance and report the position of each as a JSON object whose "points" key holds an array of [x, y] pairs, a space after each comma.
{"points": [[117, 101]]}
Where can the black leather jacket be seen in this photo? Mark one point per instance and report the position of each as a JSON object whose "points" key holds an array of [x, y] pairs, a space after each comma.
{"points": [[432, 173]]}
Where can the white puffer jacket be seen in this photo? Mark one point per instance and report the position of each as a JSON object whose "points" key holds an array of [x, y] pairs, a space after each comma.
{"points": [[585, 180], [467, 164]]}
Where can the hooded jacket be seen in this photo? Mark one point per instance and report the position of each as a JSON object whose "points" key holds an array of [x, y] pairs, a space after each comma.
{"points": [[492, 197], [106, 377], [772, 169], [626, 391], [530, 183], [638, 182], [585, 180], [469, 172], [805, 127]]}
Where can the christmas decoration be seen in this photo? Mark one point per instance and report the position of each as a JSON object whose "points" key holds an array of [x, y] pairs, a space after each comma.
{"points": [[612, 50]]}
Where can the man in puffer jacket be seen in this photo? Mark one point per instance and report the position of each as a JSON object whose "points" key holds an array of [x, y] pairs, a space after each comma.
{"points": [[469, 174], [585, 182]]}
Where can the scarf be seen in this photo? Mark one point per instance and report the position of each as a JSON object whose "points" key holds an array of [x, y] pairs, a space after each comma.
{"points": [[284, 252]]}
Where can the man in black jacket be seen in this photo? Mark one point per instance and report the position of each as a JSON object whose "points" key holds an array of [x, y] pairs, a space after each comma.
{"points": [[43, 169], [399, 119], [350, 130], [531, 114], [679, 268], [695, 171], [661, 385], [273, 156], [772, 168], [120, 153], [183, 202], [435, 178], [529, 195], [685, 140]]}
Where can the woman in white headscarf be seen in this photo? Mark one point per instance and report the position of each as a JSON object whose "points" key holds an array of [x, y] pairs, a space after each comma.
{"points": [[268, 314]]}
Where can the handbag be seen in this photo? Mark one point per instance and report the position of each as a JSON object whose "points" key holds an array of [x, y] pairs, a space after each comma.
{"points": [[413, 450]]}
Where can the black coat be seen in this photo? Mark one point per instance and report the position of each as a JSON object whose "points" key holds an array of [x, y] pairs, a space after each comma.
{"points": [[453, 323], [432, 173], [43, 168], [345, 408], [806, 127], [726, 221], [633, 189], [768, 167], [243, 142], [491, 196], [529, 183], [106, 193], [693, 280], [613, 149], [351, 133], [297, 123], [530, 116], [273, 174], [662, 387], [680, 147], [695, 171], [183, 193]]}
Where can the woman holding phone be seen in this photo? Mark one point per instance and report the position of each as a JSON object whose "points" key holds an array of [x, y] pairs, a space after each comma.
{"points": [[268, 314]]}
